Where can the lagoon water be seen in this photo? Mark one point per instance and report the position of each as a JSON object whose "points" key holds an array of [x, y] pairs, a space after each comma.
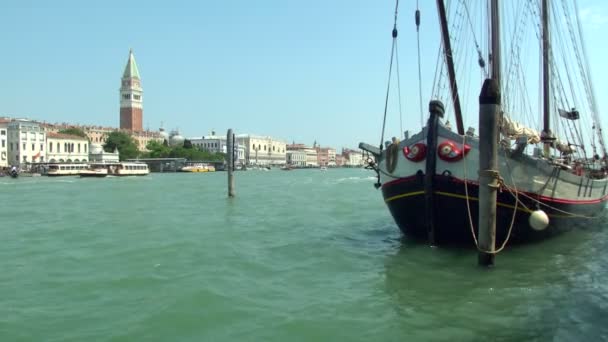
{"points": [[296, 256]]}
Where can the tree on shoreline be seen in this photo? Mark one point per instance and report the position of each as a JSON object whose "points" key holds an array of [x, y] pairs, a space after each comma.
{"points": [[159, 150], [73, 131], [124, 143]]}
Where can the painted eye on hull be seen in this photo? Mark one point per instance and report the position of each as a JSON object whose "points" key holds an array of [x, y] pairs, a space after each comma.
{"points": [[415, 153], [450, 152]]}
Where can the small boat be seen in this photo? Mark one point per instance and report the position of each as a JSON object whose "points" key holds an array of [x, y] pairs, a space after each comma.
{"points": [[287, 168], [13, 173], [323, 168], [198, 167]]}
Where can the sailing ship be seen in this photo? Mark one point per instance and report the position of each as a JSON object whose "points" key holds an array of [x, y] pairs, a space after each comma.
{"points": [[550, 178]]}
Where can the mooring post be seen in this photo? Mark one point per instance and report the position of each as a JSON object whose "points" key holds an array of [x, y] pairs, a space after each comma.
{"points": [[230, 161], [489, 111], [436, 110]]}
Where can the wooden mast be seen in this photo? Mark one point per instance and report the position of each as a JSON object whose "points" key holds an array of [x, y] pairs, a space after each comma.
{"points": [[546, 70], [445, 36], [496, 53]]}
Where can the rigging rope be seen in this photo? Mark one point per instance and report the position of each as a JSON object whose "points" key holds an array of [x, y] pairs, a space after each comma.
{"points": [[390, 70], [399, 88]]}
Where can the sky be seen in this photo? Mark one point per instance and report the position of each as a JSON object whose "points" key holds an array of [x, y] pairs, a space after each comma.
{"points": [[300, 71]]}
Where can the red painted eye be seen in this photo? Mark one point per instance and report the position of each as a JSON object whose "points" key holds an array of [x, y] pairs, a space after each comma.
{"points": [[415, 152], [450, 152]]}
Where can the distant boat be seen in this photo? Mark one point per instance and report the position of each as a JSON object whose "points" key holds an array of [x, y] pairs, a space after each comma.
{"points": [[198, 167], [55, 170], [115, 169], [13, 173], [287, 168], [323, 168], [94, 171]]}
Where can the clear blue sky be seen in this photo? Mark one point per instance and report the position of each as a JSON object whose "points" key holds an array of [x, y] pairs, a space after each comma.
{"points": [[297, 70]]}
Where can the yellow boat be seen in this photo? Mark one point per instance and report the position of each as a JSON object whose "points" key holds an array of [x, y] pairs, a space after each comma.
{"points": [[198, 167]]}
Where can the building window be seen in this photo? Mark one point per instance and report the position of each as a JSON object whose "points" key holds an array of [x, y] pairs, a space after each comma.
{"points": [[50, 147], [3, 132], [42, 159], [41, 147], [25, 159], [85, 148], [24, 148], [33, 147], [58, 148], [126, 96], [137, 97], [11, 146], [3, 142], [78, 147]]}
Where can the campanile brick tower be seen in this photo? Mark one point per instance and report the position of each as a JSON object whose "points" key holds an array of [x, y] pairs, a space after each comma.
{"points": [[131, 97]]}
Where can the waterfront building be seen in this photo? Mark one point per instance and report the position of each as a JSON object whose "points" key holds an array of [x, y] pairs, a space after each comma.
{"points": [[262, 150], [217, 144], [311, 153], [26, 140], [131, 97], [176, 139], [4, 142], [339, 160], [99, 134], [296, 158], [326, 156], [353, 158], [98, 155], [66, 148]]}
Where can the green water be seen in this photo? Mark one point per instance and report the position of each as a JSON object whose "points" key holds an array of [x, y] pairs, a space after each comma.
{"points": [[296, 256]]}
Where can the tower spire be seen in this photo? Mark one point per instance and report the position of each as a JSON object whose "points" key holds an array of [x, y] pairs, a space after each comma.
{"points": [[131, 97]]}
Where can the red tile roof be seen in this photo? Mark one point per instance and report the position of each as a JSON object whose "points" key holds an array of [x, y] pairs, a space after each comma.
{"points": [[64, 136]]}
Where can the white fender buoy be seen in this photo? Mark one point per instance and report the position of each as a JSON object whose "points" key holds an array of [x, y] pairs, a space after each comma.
{"points": [[538, 220]]}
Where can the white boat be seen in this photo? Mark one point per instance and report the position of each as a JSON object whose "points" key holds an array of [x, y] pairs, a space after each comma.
{"points": [[55, 170], [323, 168], [429, 180], [128, 169], [94, 172]]}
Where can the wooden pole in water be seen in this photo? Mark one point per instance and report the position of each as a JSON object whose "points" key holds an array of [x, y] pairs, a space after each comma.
{"points": [[230, 161], [436, 110], [489, 111]]}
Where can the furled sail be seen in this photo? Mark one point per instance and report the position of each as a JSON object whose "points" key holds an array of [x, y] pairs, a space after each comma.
{"points": [[512, 129]]}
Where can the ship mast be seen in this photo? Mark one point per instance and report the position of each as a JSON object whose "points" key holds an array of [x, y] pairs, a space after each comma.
{"points": [[495, 37], [445, 36], [546, 80]]}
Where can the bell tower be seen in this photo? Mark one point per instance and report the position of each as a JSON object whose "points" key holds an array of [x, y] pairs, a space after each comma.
{"points": [[131, 97]]}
